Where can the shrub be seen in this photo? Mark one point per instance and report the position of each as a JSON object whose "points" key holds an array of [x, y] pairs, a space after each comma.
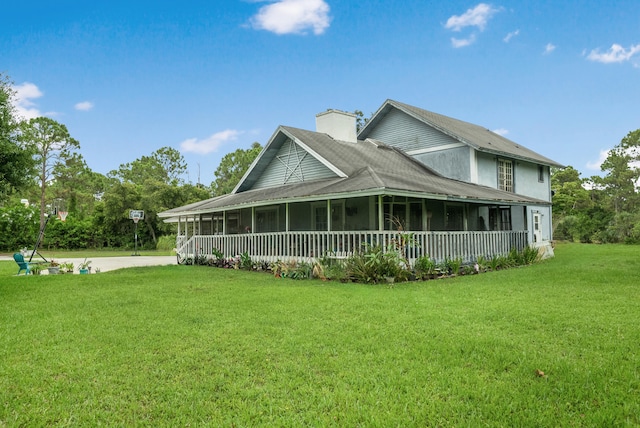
{"points": [[452, 266], [292, 269], [424, 267], [217, 253], [329, 268], [498, 262], [245, 261], [482, 264], [530, 255], [516, 258], [469, 270], [18, 227], [374, 265], [166, 243]]}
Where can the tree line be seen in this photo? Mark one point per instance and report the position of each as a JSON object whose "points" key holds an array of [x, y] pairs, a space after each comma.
{"points": [[601, 209], [41, 162]]}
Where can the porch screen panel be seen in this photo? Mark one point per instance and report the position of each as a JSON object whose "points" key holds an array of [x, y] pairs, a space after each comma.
{"points": [[320, 221], [415, 216], [267, 220], [300, 216], [505, 218], [455, 217]]}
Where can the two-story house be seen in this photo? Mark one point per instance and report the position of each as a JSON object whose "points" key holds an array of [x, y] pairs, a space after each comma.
{"points": [[462, 190]]}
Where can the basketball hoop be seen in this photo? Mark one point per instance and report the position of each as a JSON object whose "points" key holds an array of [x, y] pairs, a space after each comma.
{"points": [[136, 216], [62, 215]]}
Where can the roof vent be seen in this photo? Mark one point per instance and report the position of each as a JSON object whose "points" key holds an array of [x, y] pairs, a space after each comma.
{"points": [[340, 125]]}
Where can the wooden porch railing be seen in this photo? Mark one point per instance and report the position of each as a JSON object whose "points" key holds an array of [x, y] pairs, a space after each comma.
{"points": [[312, 245]]}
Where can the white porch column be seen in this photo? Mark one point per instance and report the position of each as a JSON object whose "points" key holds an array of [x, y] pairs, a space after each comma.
{"points": [[224, 222], [328, 215], [286, 219], [253, 219], [380, 214]]}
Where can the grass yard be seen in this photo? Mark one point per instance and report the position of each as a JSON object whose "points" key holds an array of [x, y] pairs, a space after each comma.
{"points": [[192, 345]]}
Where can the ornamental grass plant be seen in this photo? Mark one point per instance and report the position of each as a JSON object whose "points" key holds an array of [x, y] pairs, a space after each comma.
{"points": [[552, 344]]}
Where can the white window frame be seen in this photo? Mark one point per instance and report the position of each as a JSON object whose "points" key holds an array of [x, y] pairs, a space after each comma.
{"points": [[506, 175]]}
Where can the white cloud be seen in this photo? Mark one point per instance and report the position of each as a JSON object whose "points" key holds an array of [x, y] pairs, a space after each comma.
{"points": [[210, 144], [604, 154], [501, 131], [25, 107], [596, 165], [549, 48], [510, 36], [476, 17], [460, 43], [293, 17], [84, 106], [615, 54]]}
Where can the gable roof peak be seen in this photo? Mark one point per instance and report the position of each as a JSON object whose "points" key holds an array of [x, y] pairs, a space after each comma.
{"points": [[478, 137]]}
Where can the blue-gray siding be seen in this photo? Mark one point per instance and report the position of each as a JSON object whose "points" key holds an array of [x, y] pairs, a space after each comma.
{"points": [[292, 164], [453, 163], [403, 131]]}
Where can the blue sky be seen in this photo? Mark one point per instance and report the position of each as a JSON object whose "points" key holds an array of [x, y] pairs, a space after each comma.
{"points": [[208, 77]]}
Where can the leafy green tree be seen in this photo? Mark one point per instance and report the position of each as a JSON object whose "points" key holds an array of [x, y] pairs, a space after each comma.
{"points": [[112, 215], [51, 145], [569, 193], [18, 226], [620, 184], [157, 197], [173, 164], [16, 163], [166, 165], [70, 234], [77, 186], [361, 121], [153, 184], [232, 167]]}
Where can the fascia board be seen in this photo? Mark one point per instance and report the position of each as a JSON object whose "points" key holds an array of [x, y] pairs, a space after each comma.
{"points": [[374, 118], [543, 161], [257, 159]]}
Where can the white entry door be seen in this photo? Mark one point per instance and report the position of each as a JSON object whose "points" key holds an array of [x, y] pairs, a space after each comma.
{"points": [[537, 228]]}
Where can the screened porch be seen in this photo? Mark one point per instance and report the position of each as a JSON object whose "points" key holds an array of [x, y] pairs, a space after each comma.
{"points": [[339, 227]]}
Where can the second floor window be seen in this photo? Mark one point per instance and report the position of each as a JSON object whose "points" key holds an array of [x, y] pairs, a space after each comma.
{"points": [[505, 175]]}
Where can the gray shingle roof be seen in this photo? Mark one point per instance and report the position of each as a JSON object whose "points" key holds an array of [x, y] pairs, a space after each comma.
{"points": [[370, 169], [475, 136]]}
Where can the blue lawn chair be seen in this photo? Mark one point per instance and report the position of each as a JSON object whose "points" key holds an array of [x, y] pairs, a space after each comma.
{"points": [[22, 265]]}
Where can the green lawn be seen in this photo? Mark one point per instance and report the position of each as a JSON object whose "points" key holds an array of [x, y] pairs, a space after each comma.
{"points": [[191, 345]]}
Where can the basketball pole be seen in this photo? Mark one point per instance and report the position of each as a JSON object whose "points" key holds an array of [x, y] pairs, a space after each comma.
{"points": [[39, 240], [136, 216], [135, 245]]}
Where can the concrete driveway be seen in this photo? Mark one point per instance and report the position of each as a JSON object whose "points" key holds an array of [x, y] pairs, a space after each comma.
{"points": [[106, 264]]}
